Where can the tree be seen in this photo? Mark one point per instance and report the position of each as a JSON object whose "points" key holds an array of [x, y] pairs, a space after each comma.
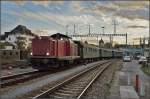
{"points": [[21, 43], [107, 45], [116, 46], [2, 45]]}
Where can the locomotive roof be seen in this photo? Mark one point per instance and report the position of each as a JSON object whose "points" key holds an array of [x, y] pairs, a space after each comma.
{"points": [[59, 35]]}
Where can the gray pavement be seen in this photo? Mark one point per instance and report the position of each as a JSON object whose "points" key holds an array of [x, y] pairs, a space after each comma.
{"points": [[132, 69], [127, 76], [7, 72]]}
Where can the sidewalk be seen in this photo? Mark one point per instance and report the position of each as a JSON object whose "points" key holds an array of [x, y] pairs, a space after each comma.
{"points": [[126, 77]]}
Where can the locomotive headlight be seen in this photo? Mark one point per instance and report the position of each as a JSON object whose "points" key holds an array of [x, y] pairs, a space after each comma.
{"points": [[31, 53], [47, 53]]}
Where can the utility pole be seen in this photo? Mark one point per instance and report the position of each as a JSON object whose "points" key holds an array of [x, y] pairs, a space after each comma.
{"points": [[115, 24], [89, 29], [149, 47], [144, 42], [74, 29], [140, 42], [67, 29], [126, 41], [110, 40]]}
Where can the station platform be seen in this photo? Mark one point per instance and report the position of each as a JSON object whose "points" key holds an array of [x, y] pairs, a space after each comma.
{"points": [[124, 84], [128, 92]]}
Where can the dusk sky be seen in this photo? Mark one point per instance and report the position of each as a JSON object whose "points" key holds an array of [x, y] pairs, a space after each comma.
{"points": [[49, 17]]}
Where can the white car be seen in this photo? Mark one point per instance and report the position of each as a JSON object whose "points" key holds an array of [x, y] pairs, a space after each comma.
{"points": [[142, 60], [127, 59]]}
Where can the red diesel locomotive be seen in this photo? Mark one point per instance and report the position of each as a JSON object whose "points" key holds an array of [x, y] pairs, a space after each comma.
{"points": [[53, 51]]}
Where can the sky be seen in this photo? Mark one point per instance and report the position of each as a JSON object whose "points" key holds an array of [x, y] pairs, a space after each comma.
{"points": [[49, 17]]}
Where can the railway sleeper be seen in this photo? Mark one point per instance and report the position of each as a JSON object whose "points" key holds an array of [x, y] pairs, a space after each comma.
{"points": [[72, 86], [67, 91], [63, 94], [72, 89]]}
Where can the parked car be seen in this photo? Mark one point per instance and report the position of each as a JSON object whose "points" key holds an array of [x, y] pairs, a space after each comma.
{"points": [[127, 59], [142, 60], [138, 57]]}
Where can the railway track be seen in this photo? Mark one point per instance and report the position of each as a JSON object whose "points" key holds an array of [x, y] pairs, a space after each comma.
{"points": [[76, 86], [20, 78]]}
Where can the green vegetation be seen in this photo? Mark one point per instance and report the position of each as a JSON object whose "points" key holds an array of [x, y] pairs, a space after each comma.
{"points": [[21, 43], [4, 44], [146, 69], [107, 45]]}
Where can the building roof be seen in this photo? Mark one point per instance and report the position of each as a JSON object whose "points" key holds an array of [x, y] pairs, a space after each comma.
{"points": [[59, 35], [20, 29]]}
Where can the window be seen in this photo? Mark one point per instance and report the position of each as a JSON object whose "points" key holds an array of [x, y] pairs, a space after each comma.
{"points": [[16, 53], [10, 53], [9, 38], [4, 53]]}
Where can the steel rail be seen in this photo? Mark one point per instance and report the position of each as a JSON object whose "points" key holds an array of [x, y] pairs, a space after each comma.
{"points": [[94, 79], [15, 75], [18, 78], [67, 81]]}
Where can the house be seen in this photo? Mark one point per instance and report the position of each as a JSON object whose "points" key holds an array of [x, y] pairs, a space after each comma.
{"points": [[19, 32]]}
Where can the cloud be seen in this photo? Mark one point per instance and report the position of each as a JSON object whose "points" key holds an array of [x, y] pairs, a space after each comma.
{"points": [[125, 9], [45, 3], [44, 32], [131, 4], [133, 14], [48, 3], [136, 26], [19, 2]]}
